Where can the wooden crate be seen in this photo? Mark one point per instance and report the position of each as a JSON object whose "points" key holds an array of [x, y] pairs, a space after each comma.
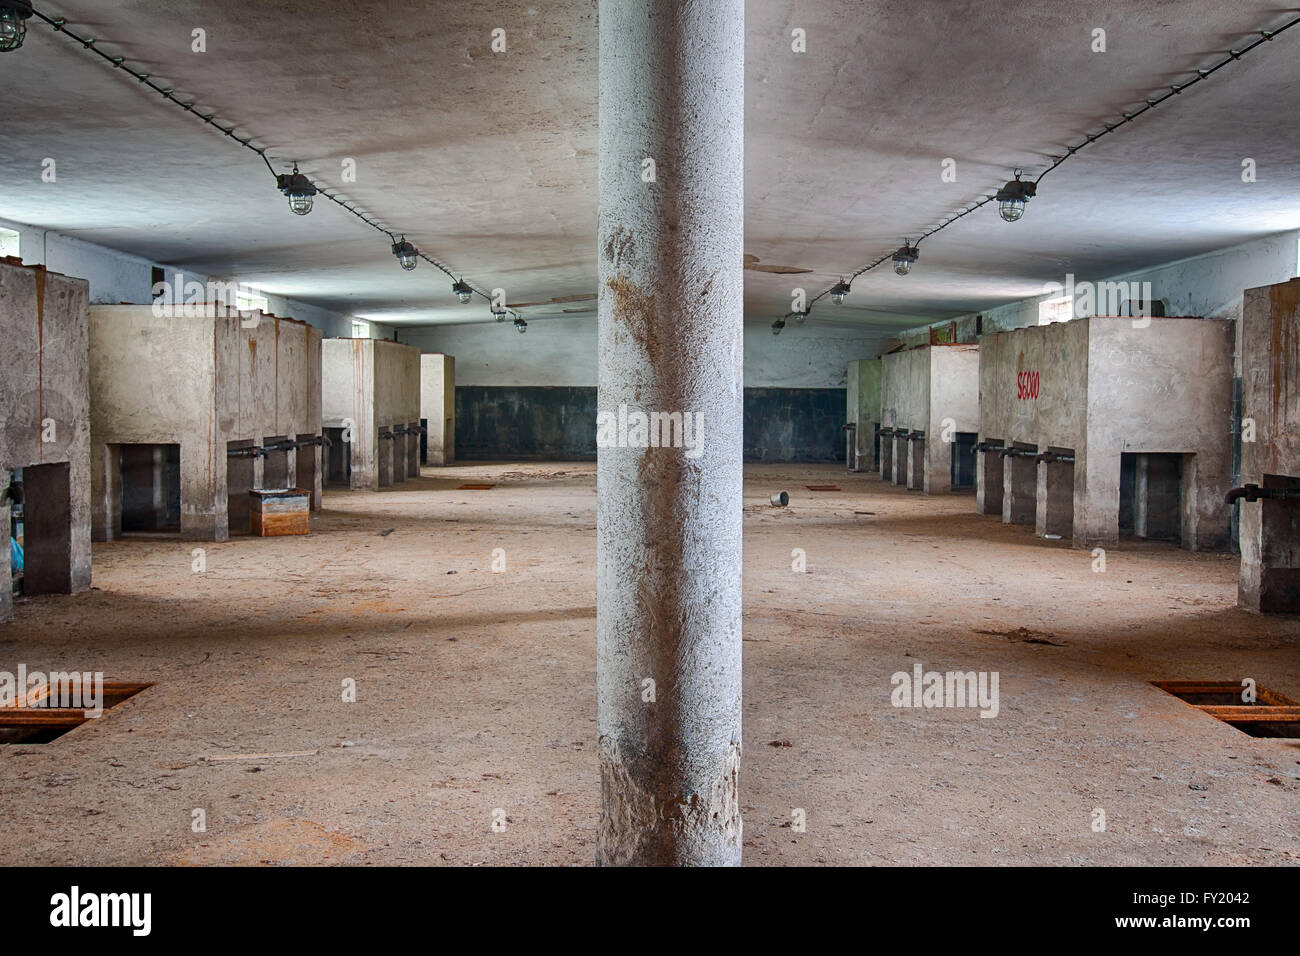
{"points": [[277, 511]]}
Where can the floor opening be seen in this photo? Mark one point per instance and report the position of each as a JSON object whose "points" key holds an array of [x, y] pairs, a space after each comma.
{"points": [[41, 716], [151, 488], [1270, 714]]}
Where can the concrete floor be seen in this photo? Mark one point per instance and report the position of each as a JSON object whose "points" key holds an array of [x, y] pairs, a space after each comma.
{"points": [[476, 690]]}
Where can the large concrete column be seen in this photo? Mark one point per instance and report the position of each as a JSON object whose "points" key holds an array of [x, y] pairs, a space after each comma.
{"points": [[668, 523]]}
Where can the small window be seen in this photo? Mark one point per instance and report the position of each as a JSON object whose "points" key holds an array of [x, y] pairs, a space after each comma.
{"points": [[1056, 310], [247, 300], [8, 243], [360, 329]]}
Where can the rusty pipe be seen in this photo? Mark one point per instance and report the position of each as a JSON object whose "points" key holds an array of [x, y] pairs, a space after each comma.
{"points": [[1254, 492]]}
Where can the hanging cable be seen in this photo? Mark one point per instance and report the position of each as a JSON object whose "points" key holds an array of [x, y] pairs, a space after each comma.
{"points": [[60, 25], [1029, 188]]}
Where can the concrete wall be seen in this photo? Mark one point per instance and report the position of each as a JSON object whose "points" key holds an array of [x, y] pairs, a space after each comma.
{"points": [[863, 409], [1163, 389], [1270, 353], [934, 390], [559, 424], [200, 381], [1209, 285], [45, 426], [371, 387], [118, 277], [563, 352], [544, 383], [954, 407], [1099, 388], [438, 407]]}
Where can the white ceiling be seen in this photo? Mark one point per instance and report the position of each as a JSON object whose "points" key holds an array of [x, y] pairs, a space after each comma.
{"points": [[487, 161]]}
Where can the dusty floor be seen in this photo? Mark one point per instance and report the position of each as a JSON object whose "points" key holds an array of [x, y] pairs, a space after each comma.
{"points": [[475, 690]]}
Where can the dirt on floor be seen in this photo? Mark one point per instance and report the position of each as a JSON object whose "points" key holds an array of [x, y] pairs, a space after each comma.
{"points": [[475, 689]]}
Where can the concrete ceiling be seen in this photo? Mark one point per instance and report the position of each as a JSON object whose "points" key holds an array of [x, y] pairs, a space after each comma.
{"points": [[487, 161]]}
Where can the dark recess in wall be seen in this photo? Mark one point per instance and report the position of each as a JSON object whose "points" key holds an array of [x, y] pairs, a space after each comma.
{"points": [[558, 423]]}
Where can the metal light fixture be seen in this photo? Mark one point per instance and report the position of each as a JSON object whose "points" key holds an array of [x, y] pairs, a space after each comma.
{"points": [[838, 291], [904, 258], [1013, 196], [499, 316], [407, 254], [520, 324], [799, 317], [778, 325], [13, 23], [298, 189], [463, 291]]}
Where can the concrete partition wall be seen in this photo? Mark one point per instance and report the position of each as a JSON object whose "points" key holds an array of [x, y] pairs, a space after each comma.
{"points": [[863, 409], [371, 390], [45, 427], [207, 381], [438, 407], [1095, 390], [1269, 579], [931, 393], [1033, 387], [954, 407], [904, 406]]}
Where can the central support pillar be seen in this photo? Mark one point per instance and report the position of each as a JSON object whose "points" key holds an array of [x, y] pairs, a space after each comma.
{"points": [[669, 486]]}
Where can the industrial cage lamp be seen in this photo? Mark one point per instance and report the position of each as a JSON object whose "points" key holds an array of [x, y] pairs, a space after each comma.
{"points": [[298, 189], [13, 23], [905, 257], [407, 254], [1013, 196]]}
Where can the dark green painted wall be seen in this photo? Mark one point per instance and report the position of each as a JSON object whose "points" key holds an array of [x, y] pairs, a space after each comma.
{"points": [[558, 423]]}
